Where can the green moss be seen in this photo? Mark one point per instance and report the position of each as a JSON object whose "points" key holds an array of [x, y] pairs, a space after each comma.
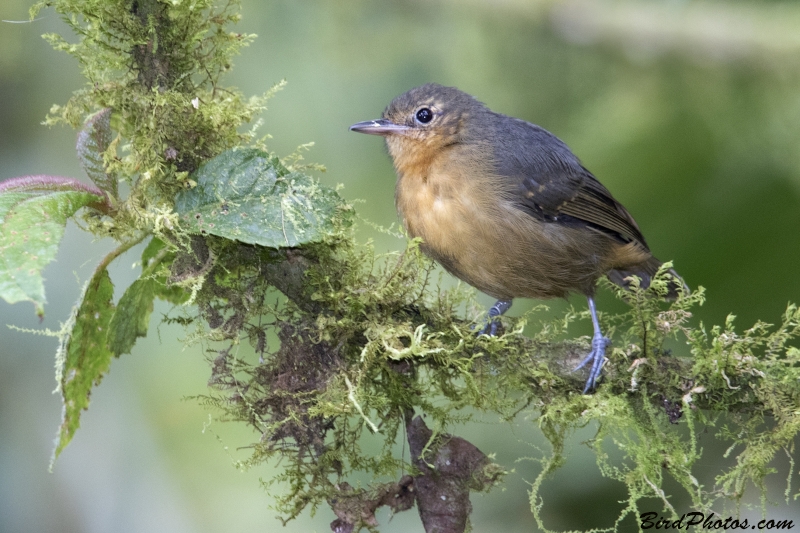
{"points": [[352, 343], [158, 67], [392, 342]]}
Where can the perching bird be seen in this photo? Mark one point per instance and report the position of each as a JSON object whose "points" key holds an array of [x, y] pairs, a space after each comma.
{"points": [[506, 206]]}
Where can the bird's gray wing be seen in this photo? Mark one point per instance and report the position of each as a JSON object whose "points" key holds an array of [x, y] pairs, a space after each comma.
{"points": [[546, 180]]}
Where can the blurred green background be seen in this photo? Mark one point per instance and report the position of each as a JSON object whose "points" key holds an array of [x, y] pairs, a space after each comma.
{"points": [[689, 112]]}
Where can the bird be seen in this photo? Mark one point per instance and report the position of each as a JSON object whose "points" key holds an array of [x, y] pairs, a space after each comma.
{"points": [[505, 206]]}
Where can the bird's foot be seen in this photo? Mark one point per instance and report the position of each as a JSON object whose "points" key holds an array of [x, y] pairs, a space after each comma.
{"points": [[493, 324], [597, 356], [492, 327]]}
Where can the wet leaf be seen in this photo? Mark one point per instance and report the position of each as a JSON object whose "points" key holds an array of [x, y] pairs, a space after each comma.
{"points": [[249, 196]]}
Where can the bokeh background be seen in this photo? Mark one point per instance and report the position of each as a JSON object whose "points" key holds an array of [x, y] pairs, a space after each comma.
{"points": [[689, 112]]}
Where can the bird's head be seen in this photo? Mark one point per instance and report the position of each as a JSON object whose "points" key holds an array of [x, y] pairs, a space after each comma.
{"points": [[421, 122]]}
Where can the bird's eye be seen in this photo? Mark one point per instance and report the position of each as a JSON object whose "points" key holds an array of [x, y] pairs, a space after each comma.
{"points": [[424, 115]]}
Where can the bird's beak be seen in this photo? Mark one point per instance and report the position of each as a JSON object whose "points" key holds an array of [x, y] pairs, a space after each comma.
{"points": [[379, 127]]}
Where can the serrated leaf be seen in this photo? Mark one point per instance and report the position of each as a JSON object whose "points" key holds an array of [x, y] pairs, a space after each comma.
{"points": [[33, 213], [249, 196], [151, 251], [132, 316], [174, 295], [100, 331], [93, 140], [86, 358], [152, 254]]}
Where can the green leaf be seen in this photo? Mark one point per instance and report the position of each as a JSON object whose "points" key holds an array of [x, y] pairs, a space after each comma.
{"points": [[154, 259], [151, 251], [98, 331], [249, 196], [132, 317], [87, 357], [33, 213], [93, 141]]}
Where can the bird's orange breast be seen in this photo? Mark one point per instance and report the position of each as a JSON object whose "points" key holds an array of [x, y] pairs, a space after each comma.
{"points": [[440, 205], [450, 202], [469, 223]]}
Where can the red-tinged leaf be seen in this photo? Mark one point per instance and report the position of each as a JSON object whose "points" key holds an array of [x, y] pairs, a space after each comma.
{"points": [[33, 213], [93, 141]]}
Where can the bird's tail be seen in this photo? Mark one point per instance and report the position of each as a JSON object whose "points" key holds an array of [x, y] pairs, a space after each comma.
{"points": [[645, 272]]}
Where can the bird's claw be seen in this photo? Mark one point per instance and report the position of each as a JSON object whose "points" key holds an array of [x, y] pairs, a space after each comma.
{"points": [[491, 327], [597, 356], [493, 319]]}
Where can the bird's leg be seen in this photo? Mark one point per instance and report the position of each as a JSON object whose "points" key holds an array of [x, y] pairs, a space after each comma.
{"points": [[598, 354], [492, 322]]}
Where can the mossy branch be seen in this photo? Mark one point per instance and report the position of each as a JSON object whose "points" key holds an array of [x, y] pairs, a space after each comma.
{"points": [[350, 343], [397, 345]]}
